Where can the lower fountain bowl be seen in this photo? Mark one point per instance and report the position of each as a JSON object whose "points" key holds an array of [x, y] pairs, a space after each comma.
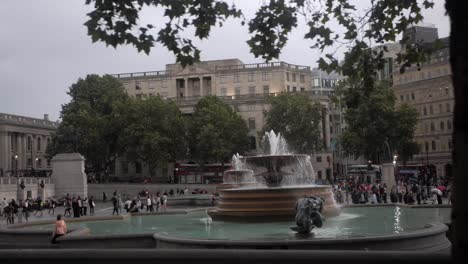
{"points": [[264, 204]]}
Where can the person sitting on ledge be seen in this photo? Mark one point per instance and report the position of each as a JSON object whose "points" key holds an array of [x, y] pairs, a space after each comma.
{"points": [[60, 229]]}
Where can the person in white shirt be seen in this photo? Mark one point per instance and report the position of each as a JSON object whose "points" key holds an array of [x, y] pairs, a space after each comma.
{"points": [[149, 204]]}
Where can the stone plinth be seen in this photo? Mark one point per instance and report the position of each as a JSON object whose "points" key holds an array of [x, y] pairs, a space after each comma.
{"points": [[388, 175], [68, 175]]}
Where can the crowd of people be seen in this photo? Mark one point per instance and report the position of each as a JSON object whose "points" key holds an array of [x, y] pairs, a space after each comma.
{"points": [[414, 192], [12, 210], [76, 206]]}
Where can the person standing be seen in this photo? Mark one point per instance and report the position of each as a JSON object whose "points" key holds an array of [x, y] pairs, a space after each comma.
{"points": [[59, 230], [149, 204], [92, 204], [84, 205], [164, 202], [80, 205]]}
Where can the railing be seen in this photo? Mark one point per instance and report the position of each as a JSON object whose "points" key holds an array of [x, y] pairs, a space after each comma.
{"points": [[14, 119], [141, 74], [26, 180], [262, 66]]}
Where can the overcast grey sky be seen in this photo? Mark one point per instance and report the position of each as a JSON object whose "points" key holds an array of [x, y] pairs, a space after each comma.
{"points": [[45, 48]]}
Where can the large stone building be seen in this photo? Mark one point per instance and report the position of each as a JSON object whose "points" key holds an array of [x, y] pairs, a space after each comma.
{"points": [[23, 142], [429, 89], [243, 86]]}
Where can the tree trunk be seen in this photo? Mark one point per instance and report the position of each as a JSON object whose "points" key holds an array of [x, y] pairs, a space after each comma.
{"points": [[459, 63]]}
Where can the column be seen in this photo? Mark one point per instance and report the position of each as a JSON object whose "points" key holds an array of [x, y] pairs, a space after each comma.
{"points": [[185, 87], [4, 152], [201, 86], [326, 128]]}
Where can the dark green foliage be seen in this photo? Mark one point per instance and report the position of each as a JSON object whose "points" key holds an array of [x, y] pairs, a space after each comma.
{"points": [[298, 120], [118, 22], [92, 123], [216, 132], [155, 133]]}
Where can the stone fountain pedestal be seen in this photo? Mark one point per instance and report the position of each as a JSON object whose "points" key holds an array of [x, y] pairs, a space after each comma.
{"points": [[256, 204]]}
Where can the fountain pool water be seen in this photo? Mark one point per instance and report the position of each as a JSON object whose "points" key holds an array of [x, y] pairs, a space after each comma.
{"points": [[352, 222]]}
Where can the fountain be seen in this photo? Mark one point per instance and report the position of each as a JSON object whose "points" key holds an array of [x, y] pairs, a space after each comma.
{"points": [[279, 180]]}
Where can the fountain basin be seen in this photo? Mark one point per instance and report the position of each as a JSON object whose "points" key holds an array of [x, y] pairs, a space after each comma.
{"points": [[267, 204]]}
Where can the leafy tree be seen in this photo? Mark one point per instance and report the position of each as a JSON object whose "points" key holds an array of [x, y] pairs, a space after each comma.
{"points": [[297, 119], [375, 129], [92, 122], [155, 132], [216, 131]]}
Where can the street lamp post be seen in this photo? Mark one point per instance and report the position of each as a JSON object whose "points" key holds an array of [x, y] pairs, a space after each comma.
{"points": [[16, 164]]}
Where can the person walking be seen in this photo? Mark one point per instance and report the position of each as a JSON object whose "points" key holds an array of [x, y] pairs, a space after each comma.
{"points": [[59, 230], [115, 203], [84, 205]]}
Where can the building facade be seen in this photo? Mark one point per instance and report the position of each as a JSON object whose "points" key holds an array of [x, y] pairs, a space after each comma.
{"points": [[429, 89], [23, 143], [245, 87]]}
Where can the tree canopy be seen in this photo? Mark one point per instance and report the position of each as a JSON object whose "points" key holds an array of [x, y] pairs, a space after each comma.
{"points": [[375, 129], [119, 22], [298, 120], [155, 133], [92, 122], [216, 131]]}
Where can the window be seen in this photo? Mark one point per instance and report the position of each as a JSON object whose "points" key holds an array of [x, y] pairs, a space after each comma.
{"points": [[265, 76], [39, 163], [251, 77], [424, 111], [48, 163], [294, 88], [29, 163], [302, 89], [223, 91], [251, 89], [302, 78], [287, 76], [407, 97], [319, 174], [38, 144], [288, 88], [442, 125], [319, 158], [427, 146], [266, 89], [29, 143], [316, 82], [124, 167], [252, 123], [238, 91], [447, 106], [294, 77], [412, 96], [449, 124], [402, 98], [236, 78], [431, 110], [432, 126], [331, 130], [138, 167], [433, 145]]}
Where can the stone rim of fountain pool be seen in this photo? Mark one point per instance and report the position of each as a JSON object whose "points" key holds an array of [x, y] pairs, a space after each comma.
{"points": [[431, 237]]}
